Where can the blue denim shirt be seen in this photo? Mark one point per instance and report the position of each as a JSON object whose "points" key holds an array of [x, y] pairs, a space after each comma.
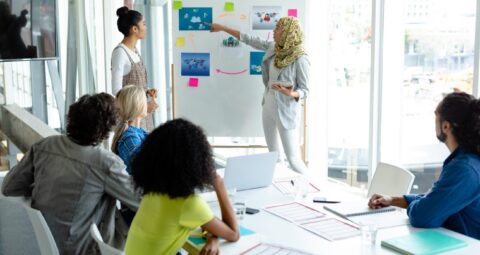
{"points": [[129, 144], [297, 73], [454, 200]]}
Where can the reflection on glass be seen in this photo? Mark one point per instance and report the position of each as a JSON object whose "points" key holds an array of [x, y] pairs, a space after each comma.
{"points": [[348, 90], [27, 29], [438, 59]]}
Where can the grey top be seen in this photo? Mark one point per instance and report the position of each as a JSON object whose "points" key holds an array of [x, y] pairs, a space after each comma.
{"points": [[73, 186], [296, 73]]}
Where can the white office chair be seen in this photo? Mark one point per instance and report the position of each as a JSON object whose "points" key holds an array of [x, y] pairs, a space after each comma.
{"points": [[45, 240], [105, 249], [390, 180]]}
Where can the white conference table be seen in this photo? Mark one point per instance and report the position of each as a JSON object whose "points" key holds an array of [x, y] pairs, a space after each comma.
{"points": [[275, 230]]}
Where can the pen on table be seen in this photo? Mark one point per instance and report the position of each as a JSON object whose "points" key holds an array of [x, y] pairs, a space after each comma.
{"points": [[291, 181], [327, 202]]}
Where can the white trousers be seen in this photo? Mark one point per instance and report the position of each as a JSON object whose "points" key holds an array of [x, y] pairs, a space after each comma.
{"points": [[272, 128]]}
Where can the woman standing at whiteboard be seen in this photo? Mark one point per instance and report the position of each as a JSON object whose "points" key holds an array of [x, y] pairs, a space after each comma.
{"points": [[127, 66], [285, 73]]}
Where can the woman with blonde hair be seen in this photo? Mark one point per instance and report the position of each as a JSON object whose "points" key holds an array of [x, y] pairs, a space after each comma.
{"points": [[131, 102], [285, 73], [129, 136]]}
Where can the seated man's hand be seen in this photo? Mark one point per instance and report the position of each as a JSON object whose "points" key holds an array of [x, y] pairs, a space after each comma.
{"points": [[212, 247], [379, 201]]}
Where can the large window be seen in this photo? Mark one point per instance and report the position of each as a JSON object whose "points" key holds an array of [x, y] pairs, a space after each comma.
{"points": [[437, 56], [348, 88], [425, 50]]}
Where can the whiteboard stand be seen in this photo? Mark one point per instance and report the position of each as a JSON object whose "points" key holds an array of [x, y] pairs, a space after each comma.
{"points": [[173, 89]]}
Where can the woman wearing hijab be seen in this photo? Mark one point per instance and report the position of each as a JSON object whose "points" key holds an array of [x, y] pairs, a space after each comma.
{"points": [[127, 65], [285, 73]]}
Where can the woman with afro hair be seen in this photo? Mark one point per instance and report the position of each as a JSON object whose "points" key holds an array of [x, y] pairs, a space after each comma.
{"points": [[174, 161]]}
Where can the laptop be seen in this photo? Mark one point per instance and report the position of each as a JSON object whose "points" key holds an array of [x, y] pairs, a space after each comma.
{"points": [[250, 171]]}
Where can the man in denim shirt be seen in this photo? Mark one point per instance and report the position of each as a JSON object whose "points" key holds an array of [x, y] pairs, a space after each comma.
{"points": [[454, 200]]}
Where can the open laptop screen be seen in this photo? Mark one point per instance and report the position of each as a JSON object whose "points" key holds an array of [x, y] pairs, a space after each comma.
{"points": [[250, 171]]}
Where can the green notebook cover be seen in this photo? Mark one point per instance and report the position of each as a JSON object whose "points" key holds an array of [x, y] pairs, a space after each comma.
{"points": [[424, 243]]}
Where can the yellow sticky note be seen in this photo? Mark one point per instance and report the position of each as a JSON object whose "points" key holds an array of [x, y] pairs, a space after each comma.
{"points": [[229, 7], [180, 41], [177, 5]]}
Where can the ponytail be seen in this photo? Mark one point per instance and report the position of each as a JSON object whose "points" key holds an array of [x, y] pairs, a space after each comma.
{"points": [[121, 127]]}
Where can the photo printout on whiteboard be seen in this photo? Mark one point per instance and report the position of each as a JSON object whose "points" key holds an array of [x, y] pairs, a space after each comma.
{"points": [[195, 64], [194, 18], [265, 17], [256, 58], [230, 47]]}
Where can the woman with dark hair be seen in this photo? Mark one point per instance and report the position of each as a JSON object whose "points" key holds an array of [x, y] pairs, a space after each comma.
{"points": [[454, 200], [127, 65], [285, 73], [174, 162], [74, 181]]}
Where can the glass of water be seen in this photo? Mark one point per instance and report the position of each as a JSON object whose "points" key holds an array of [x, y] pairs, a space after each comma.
{"points": [[369, 232], [301, 187], [239, 207]]}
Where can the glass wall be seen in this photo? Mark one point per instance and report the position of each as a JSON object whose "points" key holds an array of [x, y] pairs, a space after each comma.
{"points": [[427, 51], [348, 89], [438, 58]]}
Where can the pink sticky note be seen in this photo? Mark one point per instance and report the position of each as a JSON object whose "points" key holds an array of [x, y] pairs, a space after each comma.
{"points": [[193, 82], [292, 12]]}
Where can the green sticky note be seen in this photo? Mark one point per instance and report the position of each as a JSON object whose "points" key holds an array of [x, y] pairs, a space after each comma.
{"points": [[180, 41], [177, 5], [229, 6]]}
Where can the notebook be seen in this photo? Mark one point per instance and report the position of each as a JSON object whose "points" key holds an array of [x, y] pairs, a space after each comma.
{"points": [[250, 171], [196, 238], [424, 243], [346, 209]]}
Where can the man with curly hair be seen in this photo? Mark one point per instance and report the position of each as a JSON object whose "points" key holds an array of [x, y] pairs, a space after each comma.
{"points": [[73, 181]]}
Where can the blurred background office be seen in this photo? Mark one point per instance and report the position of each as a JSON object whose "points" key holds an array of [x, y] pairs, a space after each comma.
{"points": [[379, 68]]}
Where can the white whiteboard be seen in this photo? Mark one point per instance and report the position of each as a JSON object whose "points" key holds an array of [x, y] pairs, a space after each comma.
{"points": [[225, 104]]}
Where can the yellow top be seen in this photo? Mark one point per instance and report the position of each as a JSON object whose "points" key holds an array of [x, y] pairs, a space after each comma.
{"points": [[162, 225]]}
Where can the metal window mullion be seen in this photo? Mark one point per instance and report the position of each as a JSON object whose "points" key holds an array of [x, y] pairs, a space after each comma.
{"points": [[39, 89], [378, 13], [9, 90], [476, 71], [166, 52], [71, 69], [57, 90]]}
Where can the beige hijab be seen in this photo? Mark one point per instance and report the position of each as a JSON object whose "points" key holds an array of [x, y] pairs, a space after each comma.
{"points": [[290, 48]]}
